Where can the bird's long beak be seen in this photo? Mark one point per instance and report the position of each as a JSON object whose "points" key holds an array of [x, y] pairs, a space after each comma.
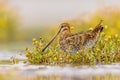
{"points": [[51, 40]]}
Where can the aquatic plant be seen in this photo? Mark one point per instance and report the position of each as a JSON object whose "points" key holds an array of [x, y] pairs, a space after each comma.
{"points": [[106, 51]]}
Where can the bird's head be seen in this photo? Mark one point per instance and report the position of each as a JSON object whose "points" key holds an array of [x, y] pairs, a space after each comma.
{"points": [[64, 29]]}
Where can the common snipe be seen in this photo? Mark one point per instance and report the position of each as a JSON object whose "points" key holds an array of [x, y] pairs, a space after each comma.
{"points": [[73, 43]]}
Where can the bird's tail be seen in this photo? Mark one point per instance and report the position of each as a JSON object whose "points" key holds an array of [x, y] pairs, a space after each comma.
{"points": [[99, 27]]}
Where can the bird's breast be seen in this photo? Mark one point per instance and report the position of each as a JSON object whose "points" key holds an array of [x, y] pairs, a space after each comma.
{"points": [[70, 44]]}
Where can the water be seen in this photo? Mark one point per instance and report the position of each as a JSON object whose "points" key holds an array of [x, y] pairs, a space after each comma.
{"points": [[54, 72]]}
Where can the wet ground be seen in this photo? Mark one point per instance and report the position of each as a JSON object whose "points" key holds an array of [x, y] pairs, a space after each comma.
{"points": [[21, 71]]}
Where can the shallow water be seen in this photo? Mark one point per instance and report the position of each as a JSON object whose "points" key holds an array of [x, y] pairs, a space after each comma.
{"points": [[63, 72]]}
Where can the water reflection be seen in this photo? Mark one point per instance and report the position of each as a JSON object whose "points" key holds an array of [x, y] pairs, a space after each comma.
{"points": [[66, 71]]}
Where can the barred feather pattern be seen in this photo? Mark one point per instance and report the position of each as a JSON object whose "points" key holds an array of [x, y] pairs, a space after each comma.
{"points": [[73, 43]]}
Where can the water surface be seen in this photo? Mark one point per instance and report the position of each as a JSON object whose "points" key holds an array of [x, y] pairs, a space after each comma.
{"points": [[53, 72]]}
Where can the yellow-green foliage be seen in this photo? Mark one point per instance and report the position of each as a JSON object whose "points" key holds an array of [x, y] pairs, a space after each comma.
{"points": [[8, 20], [107, 50]]}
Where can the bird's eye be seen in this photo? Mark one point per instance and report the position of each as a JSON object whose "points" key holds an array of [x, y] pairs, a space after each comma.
{"points": [[62, 26]]}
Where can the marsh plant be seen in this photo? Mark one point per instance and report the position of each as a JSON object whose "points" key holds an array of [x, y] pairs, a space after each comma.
{"points": [[106, 51]]}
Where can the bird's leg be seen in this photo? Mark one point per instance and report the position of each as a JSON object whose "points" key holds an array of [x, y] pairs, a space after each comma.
{"points": [[83, 49], [63, 55], [90, 50]]}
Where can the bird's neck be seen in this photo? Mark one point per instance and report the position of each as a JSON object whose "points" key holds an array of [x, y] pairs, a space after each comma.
{"points": [[64, 34]]}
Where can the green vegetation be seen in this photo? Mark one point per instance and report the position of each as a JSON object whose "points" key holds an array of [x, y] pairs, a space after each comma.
{"points": [[8, 21], [107, 50]]}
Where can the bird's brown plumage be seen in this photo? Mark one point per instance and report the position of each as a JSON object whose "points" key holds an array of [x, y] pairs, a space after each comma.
{"points": [[74, 42]]}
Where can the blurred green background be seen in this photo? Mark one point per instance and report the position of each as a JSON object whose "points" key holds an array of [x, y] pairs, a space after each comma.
{"points": [[18, 25]]}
